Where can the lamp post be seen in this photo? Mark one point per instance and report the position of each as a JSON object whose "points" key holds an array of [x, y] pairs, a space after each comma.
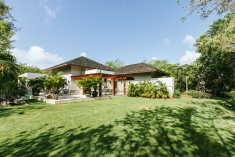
{"points": [[187, 85], [100, 85]]}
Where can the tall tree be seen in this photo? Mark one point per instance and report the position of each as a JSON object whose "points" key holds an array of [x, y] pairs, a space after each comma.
{"points": [[165, 66], [24, 68], [8, 66], [216, 62], [115, 64], [206, 7]]}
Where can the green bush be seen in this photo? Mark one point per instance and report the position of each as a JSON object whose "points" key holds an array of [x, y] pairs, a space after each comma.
{"points": [[37, 84], [200, 95], [230, 97], [148, 89], [132, 90], [177, 94]]}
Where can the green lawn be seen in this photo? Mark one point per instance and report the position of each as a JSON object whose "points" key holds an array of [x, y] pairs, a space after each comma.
{"points": [[120, 126]]}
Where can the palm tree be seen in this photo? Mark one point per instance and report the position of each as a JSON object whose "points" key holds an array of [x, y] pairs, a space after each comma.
{"points": [[88, 83], [55, 83]]}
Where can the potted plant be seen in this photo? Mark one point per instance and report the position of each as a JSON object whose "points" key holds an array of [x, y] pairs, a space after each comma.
{"points": [[88, 83], [95, 83], [54, 84]]}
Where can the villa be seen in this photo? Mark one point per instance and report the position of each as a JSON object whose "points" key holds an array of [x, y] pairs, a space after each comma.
{"points": [[114, 81]]}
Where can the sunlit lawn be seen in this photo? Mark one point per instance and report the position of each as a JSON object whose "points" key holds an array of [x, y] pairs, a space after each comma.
{"points": [[119, 127]]}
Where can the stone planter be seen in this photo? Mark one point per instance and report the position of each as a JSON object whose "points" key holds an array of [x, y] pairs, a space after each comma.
{"points": [[5, 104], [55, 96], [49, 96], [88, 95], [94, 94], [19, 101]]}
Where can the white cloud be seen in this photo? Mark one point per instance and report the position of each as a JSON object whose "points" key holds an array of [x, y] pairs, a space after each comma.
{"points": [[37, 56], [83, 54], [166, 41], [154, 59], [189, 40], [189, 57], [50, 12]]}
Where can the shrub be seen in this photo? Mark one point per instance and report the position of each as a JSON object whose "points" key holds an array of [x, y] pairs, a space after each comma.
{"points": [[148, 89], [37, 84], [230, 97], [200, 95], [132, 90], [177, 94]]}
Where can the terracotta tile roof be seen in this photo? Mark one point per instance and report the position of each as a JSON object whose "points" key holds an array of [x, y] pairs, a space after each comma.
{"points": [[83, 62], [138, 68]]}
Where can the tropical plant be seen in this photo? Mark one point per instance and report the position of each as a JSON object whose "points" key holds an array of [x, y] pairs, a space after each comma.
{"points": [[199, 95], [148, 89], [162, 90], [177, 94], [54, 83], [132, 90], [88, 83], [22, 87], [37, 84]]}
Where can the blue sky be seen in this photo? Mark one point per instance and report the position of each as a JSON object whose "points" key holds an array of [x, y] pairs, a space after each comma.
{"points": [[53, 31]]}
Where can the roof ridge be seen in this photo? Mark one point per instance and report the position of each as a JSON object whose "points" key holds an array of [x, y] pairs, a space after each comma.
{"points": [[84, 62], [138, 67]]}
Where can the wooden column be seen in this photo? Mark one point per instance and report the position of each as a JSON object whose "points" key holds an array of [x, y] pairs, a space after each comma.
{"points": [[113, 86], [124, 84], [83, 91]]}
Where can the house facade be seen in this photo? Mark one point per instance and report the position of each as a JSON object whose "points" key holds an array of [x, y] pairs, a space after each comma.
{"points": [[114, 81]]}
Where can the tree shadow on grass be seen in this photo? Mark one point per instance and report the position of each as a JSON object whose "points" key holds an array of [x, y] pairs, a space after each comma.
{"points": [[21, 109], [153, 132]]}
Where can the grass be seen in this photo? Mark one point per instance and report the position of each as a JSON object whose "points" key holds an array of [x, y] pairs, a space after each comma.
{"points": [[121, 126]]}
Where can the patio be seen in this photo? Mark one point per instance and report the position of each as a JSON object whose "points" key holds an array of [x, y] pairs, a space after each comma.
{"points": [[71, 98]]}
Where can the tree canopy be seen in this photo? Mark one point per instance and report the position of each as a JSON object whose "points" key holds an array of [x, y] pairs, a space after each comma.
{"points": [[165, 66], [24, 68], [115, 64], [216, 61], [8, 66], [205, 7]]}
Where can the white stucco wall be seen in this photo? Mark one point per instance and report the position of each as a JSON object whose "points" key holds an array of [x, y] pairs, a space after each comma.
{"points": [[77, 71], [78, 90], [32, 75], [142, 77], [72, 71]]}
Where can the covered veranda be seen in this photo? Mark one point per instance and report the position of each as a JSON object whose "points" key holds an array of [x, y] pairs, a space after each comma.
{"points": [[106, 76]]}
